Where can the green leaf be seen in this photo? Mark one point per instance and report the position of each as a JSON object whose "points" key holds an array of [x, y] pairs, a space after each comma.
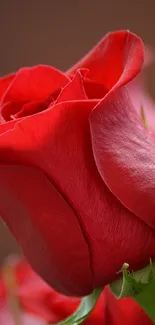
{"points": [[140, 285], [84, 310]]}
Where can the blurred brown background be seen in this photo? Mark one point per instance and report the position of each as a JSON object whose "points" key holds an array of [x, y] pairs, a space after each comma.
{"points": [[58, 33]]}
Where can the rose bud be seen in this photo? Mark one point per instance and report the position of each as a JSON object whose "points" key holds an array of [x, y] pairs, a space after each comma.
{"points": [[77, 167]]}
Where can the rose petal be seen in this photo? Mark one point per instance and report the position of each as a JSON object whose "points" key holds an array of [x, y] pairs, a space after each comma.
{"points": [[34, 83], [9, 109], [4, 127], [75, 89], [94, 89], [46, 228], [116, 58], [31, 108], [20, 140], [124, 152]]}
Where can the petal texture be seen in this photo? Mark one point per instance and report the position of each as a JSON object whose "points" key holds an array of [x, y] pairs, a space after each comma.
{"points": [[34, 83], [124, 152]]}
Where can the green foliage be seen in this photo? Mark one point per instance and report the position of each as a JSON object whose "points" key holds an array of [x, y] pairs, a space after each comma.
{"points": [[140, 285]]}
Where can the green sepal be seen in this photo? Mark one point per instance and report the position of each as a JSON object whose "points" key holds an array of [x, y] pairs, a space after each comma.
{"points": [[146, 300], [84, 310], [140, 285]]}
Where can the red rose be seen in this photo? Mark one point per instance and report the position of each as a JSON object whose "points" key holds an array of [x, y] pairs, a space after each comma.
{"points": [[77, 167]]}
